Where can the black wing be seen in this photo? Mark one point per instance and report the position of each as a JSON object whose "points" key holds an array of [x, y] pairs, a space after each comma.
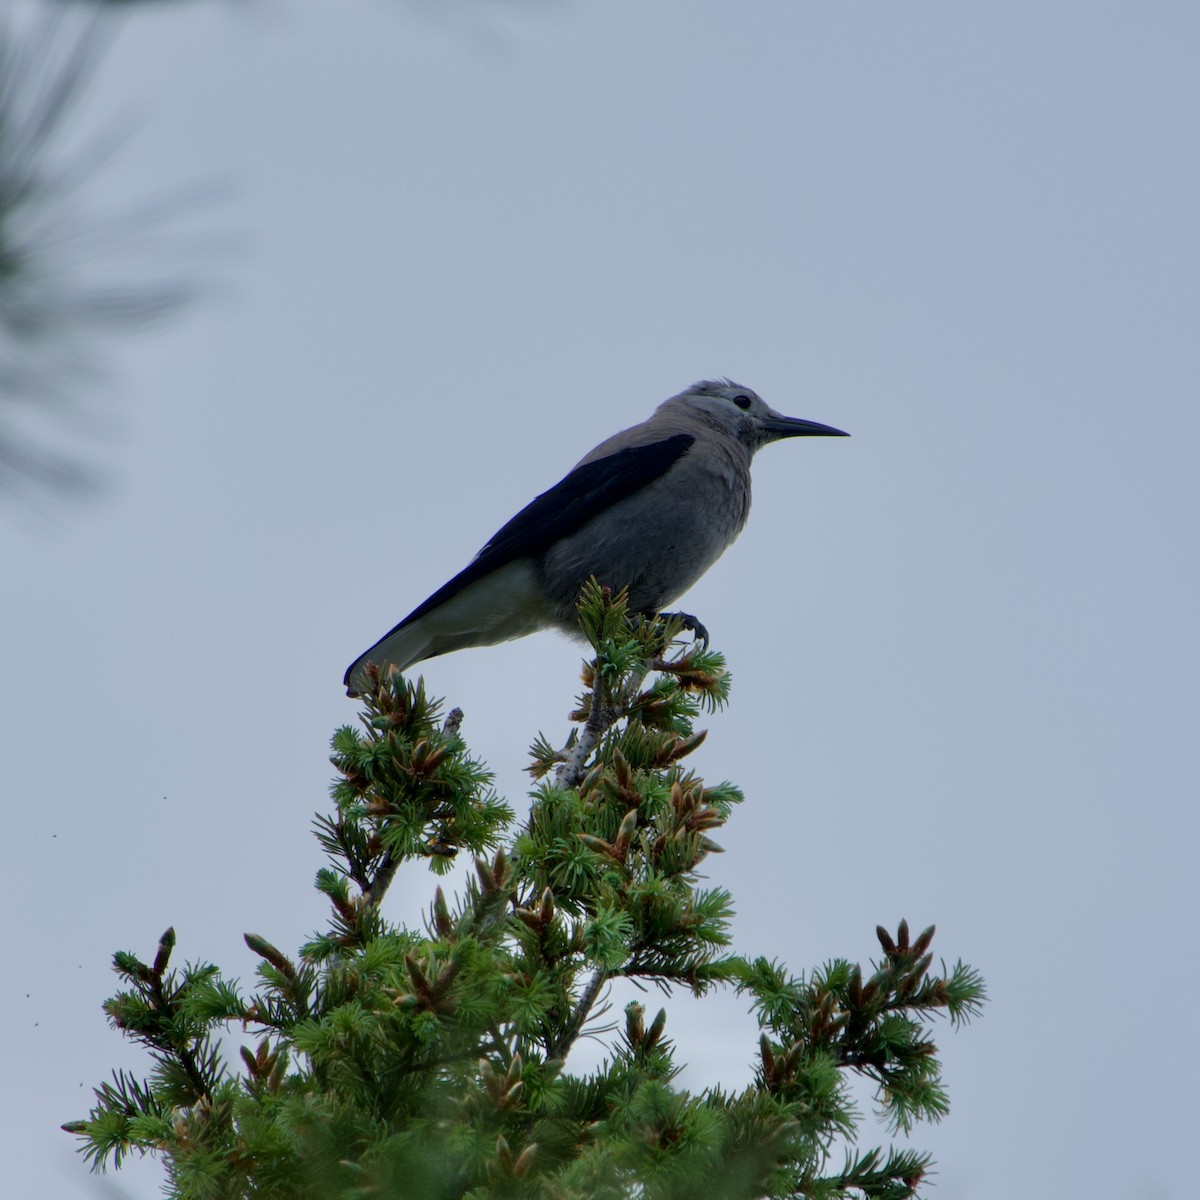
{"points": [[566, 507], [572, 502]]}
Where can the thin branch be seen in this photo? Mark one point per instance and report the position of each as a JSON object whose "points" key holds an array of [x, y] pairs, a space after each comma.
{"points": [[560, 1047], [181, 1053], [388, 865], [601, 717], [604, 713]]}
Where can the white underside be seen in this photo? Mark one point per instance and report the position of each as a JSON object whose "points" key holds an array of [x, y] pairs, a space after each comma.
{"points": [[505, 604]]}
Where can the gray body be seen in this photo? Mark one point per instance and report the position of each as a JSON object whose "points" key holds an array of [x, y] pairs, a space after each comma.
{"points": [[650, 509], [662, 538]]}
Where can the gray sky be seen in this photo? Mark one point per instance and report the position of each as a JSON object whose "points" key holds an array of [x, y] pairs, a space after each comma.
{"points": [[471, 245]]}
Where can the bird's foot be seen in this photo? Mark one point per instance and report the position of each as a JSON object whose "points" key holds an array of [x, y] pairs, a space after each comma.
{"points": [[693, 624]]}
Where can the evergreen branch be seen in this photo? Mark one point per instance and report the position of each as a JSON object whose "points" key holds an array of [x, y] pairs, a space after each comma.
{"points": [[432, 1060], [155, 1013], [870, 1176]]}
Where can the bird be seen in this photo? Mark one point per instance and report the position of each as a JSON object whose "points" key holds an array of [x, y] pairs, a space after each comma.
{"points": [[649, 509]]}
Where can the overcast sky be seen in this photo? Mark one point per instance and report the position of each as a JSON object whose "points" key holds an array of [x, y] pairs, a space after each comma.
{"points": [[464, 242]]}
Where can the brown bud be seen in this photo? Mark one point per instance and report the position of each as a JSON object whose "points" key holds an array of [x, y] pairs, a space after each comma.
{"points": [[434, 759], [417, 975], [264, 949], [599, 845], [487, 881], [503, 1153], [249, 1060], [656, 1028], [622, 770], [681, 801], [626, 831], [527, 916], [635, 1029], [525, 1160], [447, 974], [922, 943], [768, 1059], [591, 779], [442, 923], [166, 944], [683, 746], [705, 818], [855, 988]]}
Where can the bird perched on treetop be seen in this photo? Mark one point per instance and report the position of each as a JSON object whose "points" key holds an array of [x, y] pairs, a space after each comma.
{"points": [[650, 509]]}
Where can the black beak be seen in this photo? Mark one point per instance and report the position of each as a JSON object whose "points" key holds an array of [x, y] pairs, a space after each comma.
{"points": [[784, 427]]}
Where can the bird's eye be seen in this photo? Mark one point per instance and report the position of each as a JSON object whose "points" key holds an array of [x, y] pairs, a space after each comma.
{"points": [[743, 402]]}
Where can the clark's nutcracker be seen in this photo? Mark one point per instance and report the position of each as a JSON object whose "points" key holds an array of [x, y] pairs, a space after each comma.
{"points": [[650, 509]]}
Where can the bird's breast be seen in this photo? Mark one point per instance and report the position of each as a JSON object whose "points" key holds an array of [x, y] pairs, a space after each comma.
{"points": [[658, 541]]}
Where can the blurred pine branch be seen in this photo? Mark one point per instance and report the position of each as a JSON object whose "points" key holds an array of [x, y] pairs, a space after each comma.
{"points": [[70, 276]]}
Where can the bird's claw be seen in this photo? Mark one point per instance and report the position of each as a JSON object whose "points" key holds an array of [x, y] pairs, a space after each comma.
{"points": [[693, 624]]}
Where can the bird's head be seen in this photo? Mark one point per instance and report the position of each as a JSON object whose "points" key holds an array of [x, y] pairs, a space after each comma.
{"points": [[742, 414]]}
